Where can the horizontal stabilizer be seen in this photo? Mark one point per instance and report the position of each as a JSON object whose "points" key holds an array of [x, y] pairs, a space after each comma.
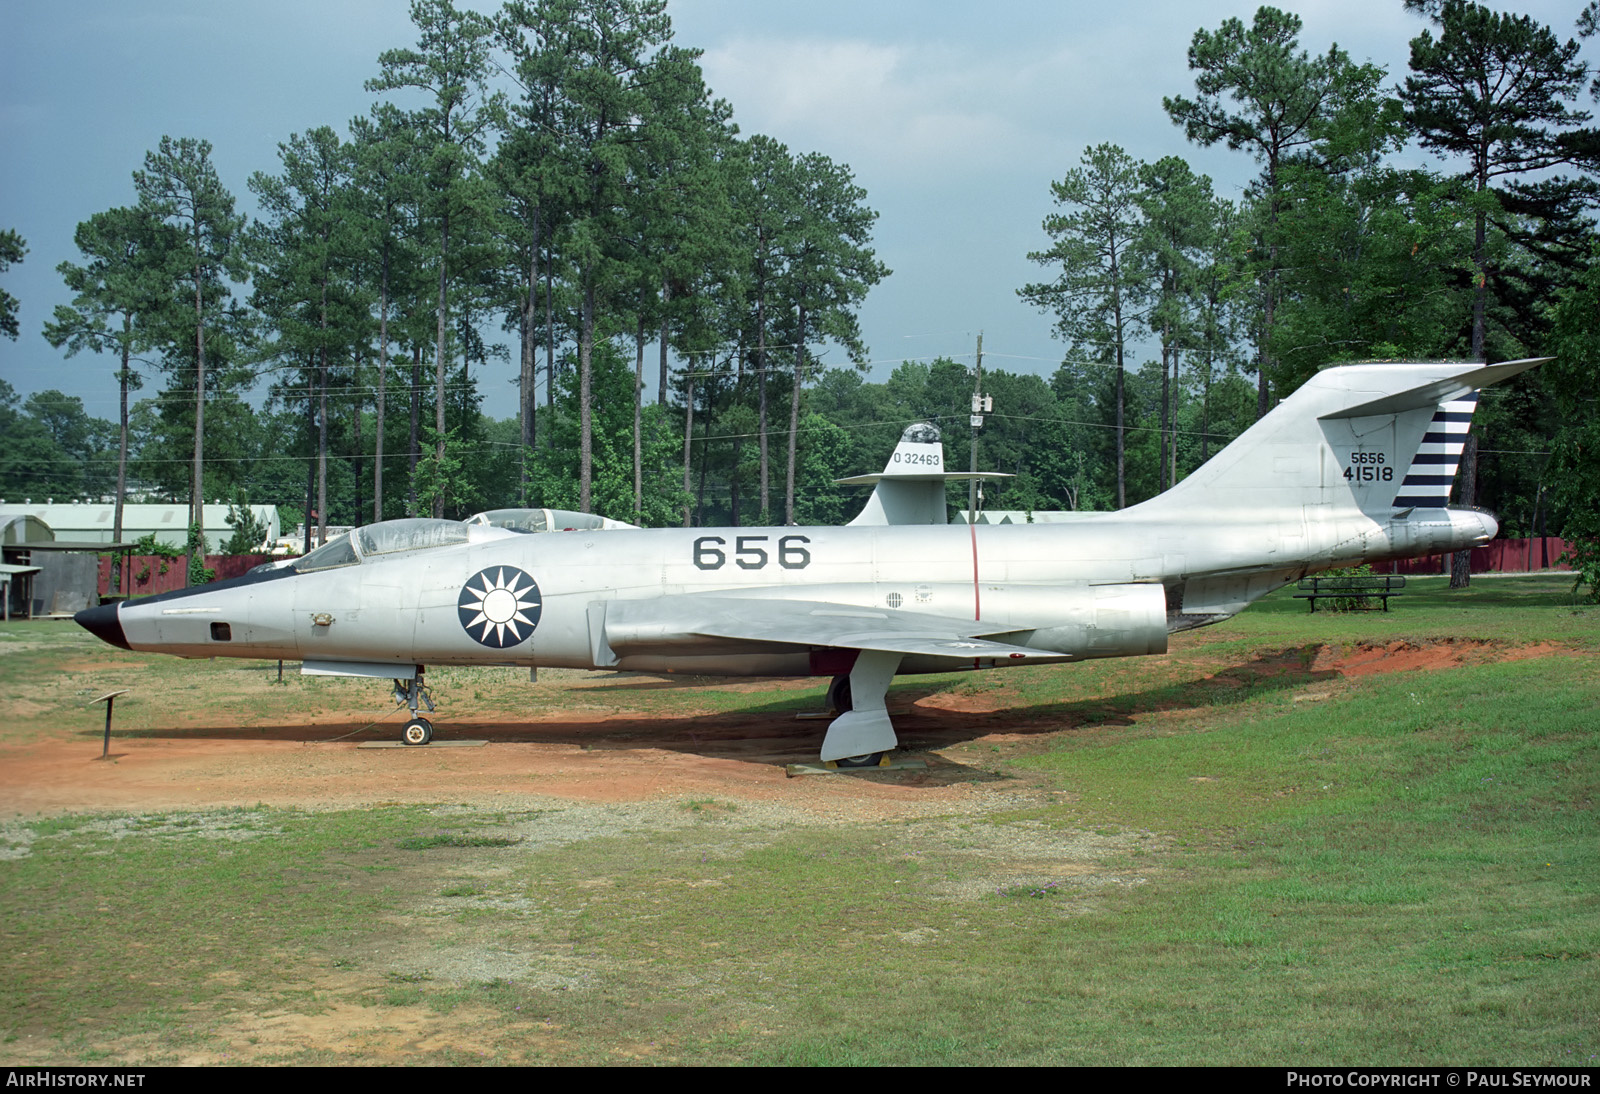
{"points": [[1465, 378]]}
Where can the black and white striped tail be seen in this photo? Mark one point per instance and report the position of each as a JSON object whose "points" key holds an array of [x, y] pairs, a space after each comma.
{"points": [[1428, 479]]}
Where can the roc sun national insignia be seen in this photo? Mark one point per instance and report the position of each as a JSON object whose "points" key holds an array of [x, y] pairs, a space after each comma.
{"points": [[499, 606]]}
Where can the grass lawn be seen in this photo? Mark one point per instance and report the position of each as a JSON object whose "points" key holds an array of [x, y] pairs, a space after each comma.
{"points": [[1228, 855]]}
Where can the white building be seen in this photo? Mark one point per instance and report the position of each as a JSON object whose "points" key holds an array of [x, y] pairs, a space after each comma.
{"points": [[92, 522]]}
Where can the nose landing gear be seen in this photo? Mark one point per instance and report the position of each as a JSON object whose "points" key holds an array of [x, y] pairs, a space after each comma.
{"points": [[414, 693]]}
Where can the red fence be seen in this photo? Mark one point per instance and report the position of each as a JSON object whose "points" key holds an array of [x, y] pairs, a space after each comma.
{"points": [[149, 574], [1502, 556]]}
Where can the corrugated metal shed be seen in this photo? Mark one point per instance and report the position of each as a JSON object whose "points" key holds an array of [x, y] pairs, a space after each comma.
{"points": [[17, 528], [16, 589]]}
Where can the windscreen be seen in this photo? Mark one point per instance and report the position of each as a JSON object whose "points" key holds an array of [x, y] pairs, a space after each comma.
{"points": [[416, 534], [336, 552], [376, 540]]}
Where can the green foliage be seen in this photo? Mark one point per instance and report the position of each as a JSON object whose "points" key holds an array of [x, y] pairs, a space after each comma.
{"points": [[12, 248], [825, 454], [1573, 378], [1583, 555], [439, 480], [1260, 92], [150, 545], [554, 468], [249, 531], [118, 291], [199, 572], [1102, 284], [1285, 98], [1371, 262], [1350, 603], [51, 448], [1493, 92], [621, 206]]}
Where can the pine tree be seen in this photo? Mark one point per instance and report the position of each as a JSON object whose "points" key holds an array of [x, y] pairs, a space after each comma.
{"points": [[1495, 91], [12, 248], [116, 291], [451, 67], [1286, 101], [1101, 289], [829, 268], [308, 250], [1176, 204], [180, 188]]}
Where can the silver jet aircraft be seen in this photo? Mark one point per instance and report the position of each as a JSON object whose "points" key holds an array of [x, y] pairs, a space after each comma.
{"points": [[1354, 467]]}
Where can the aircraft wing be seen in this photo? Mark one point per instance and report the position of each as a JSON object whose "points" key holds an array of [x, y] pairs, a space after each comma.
{"points": [[709, 624]]}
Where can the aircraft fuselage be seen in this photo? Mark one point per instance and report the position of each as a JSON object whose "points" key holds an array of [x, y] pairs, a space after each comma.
{"points": [[539, 600]]}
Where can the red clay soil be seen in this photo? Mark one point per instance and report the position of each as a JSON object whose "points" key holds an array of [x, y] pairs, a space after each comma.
{"points": [[589, 757], [1402, 656], [735, 755]]}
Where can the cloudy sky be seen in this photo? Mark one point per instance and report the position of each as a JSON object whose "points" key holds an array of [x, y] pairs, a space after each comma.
{"points": [[955, 117]]}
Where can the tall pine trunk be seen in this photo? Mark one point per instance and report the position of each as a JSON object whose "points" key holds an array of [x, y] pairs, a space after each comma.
{"points": [[585, 400], [529, 396], [438, 369], [638, 397], [197, 487], [794, 417], [688, 444], [383, 375], [121, 560], [416, 428]]}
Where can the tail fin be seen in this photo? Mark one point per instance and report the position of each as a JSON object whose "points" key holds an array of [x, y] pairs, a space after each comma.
{"points": [[910, 490], [1381, 437]]}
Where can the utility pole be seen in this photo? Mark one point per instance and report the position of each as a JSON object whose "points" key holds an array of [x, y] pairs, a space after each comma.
{"points": [[980, 403]]}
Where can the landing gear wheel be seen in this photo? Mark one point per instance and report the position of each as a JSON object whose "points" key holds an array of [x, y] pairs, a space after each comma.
{"points": [[838, 699], [418, 731], [871, 759]]}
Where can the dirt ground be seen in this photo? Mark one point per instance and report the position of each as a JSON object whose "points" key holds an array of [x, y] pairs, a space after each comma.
{"points": [[586, 755], [473, 761]]}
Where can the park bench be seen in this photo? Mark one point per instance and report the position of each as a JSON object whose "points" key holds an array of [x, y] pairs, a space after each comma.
{"points": [[1357, 590]]}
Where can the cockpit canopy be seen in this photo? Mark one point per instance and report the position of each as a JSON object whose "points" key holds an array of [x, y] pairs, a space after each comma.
{"points": [[546, 520], [387, 538]]}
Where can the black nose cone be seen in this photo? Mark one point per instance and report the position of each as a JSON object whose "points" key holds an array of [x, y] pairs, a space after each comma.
{"points": [[102, 622]]}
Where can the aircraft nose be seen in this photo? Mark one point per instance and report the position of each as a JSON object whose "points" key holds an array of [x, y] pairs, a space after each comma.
{"points": [[102, 622]]}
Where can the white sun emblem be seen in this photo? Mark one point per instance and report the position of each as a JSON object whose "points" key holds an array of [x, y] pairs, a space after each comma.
{"points": [[499, 606]]}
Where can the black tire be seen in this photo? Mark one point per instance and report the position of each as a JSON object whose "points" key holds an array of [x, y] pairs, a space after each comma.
{"points": [[871, 759], [838, 699], [418, 731]]}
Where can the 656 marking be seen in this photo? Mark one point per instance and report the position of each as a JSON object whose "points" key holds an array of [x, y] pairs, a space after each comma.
{"points": [[750, 552]]}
